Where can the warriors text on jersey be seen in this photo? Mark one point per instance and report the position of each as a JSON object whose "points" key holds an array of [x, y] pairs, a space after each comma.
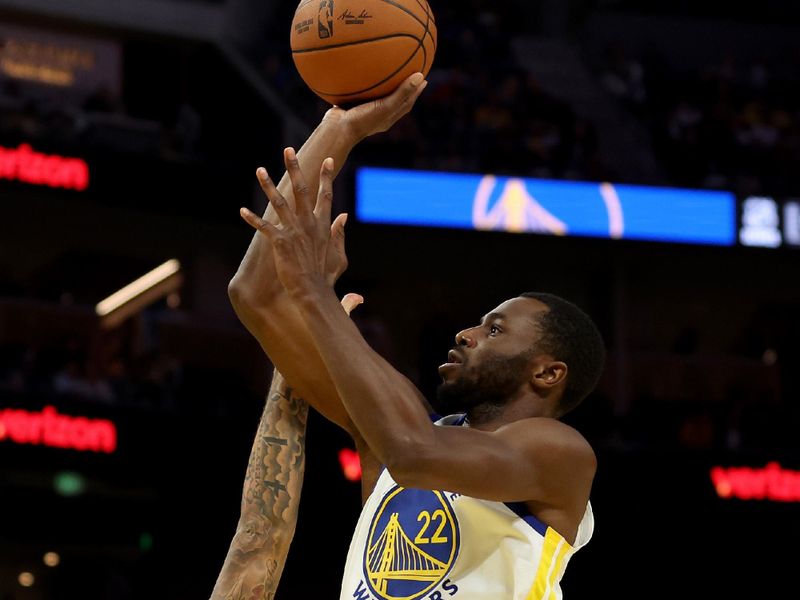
{"points": [[413, 544]]}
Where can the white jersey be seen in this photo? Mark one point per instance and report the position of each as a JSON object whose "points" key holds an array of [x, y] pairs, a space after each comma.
{"points": [[413, 544]]}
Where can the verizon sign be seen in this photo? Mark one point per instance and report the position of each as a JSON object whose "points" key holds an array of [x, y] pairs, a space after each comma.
{"points": [[771, 482], [28, 166], [49, 428]]}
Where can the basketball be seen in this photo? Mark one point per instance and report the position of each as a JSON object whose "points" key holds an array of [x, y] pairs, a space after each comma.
{"points": [[349, 51]]}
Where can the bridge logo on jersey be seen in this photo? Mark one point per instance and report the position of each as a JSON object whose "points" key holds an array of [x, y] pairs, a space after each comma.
{"points": [[412, 545]]}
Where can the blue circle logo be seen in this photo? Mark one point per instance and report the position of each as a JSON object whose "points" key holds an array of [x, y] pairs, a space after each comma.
{"points": [[412, 545]]}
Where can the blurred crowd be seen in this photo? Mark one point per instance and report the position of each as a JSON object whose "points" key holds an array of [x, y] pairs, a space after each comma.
{"points": [[732, 124], [155, 361], [67, 370], [99, 122]]}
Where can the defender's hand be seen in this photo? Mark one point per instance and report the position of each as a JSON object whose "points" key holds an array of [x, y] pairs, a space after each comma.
{"points": [[350, 301], [381, 114], [308, 249]]}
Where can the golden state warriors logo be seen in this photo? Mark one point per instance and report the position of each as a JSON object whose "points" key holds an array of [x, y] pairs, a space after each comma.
{"points": [[412, 545], [508, 205]]}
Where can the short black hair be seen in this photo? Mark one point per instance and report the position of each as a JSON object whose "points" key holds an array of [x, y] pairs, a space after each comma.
{"points": [[570, 335]]}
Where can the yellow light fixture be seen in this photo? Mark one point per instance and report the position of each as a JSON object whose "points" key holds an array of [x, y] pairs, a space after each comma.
{"points": [[134, 297]]}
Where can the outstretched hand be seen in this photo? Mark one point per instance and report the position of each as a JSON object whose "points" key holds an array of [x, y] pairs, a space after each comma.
{"points": [[379, 115], [308, 249]]}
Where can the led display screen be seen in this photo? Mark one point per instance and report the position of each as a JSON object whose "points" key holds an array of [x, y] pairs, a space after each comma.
{"points": [[549, 207]]}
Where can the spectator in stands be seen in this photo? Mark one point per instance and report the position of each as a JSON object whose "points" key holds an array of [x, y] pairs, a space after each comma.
{"points": [[624, 77]]}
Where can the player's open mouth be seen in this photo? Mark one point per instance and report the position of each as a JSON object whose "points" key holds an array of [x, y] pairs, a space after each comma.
{"points": [[453, 357], [453, 360]]}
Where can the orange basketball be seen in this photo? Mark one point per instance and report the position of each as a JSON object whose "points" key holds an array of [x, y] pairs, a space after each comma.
{"points": [[348, 51]]}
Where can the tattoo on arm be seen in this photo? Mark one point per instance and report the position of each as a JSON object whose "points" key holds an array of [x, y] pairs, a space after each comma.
{"points": [[270, 500]]}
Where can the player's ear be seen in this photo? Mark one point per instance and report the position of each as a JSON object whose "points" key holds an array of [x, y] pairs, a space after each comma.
{"points": [[547, 374]]}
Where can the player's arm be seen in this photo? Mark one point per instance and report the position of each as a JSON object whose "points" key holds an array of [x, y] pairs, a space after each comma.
{"points": [[271, 496], [522, 461], [256, 293]]}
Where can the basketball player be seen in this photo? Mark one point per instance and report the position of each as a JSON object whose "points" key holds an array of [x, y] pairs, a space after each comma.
{"points": [[491, 505]]}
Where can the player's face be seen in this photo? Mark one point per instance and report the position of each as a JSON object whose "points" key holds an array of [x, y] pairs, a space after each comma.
{"points": [[491, 362]]}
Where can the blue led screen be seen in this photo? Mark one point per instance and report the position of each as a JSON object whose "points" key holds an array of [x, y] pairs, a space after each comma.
{"points": [[549, 207]]}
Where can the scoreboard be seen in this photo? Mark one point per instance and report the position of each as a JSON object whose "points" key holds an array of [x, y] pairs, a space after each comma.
{"points": [[769, 222]]}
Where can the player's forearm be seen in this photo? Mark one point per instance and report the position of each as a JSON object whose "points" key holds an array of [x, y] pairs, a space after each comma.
{"points": [[261, 302], [270, 499], [285, 339], [384, 406], [255, 282]]}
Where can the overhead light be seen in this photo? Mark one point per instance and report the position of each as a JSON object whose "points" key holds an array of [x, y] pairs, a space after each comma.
{"points": [[138, 287], [132, 298], [51, 559]]}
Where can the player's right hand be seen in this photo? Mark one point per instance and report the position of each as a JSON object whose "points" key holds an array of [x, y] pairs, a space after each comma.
{"points": [[380, 115]]}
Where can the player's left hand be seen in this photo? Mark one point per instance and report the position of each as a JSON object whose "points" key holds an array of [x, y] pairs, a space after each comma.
{"points": [[308, 248]]}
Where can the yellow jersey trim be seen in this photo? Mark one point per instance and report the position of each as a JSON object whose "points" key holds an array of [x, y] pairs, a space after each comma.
{"points": [[554, 549]]}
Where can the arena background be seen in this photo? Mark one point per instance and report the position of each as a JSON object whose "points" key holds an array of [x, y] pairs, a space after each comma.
{"points": [[173, 104]]}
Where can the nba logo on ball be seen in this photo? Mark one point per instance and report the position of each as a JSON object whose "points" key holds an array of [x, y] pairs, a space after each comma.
{"points": [[412, 545], [362, 49], [325, 19]]}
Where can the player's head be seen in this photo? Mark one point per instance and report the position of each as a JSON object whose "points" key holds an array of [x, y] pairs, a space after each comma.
{"points": [[536, 343]]}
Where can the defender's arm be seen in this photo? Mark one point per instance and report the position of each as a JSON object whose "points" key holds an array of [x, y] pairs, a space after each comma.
{"points": [[271, 496]]}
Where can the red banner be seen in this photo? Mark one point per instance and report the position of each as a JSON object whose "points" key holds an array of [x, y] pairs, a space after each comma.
{"points": [[769, 483], [28, 166], [49, 428]]}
